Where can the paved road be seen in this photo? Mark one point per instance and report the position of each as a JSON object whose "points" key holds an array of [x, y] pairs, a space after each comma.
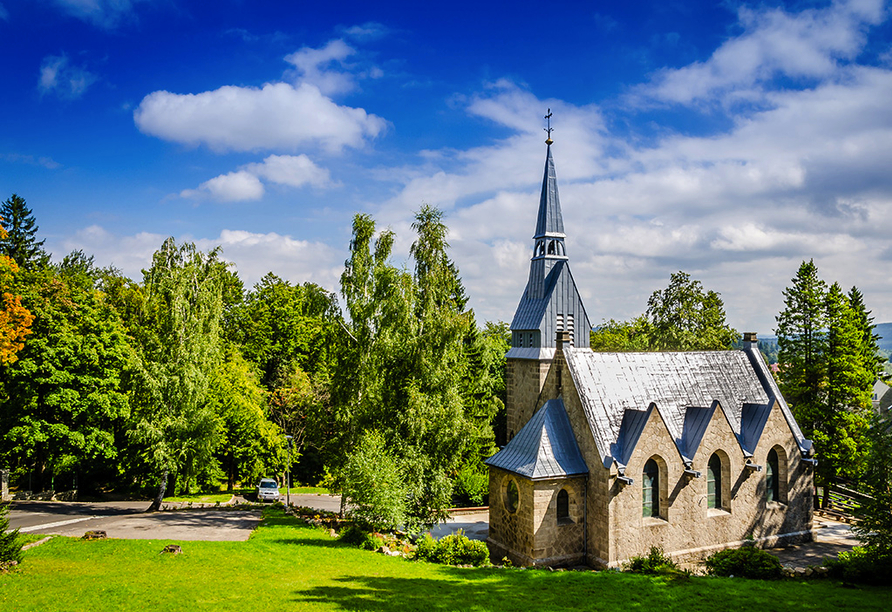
{"points": [[128, 520]]}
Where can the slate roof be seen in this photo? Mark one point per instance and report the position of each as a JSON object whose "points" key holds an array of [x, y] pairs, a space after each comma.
{"points": [[618, 391], [545, 447], [549, 221]]}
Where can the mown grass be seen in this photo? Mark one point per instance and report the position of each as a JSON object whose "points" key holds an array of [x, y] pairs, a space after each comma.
{"points": [[288, 566]]}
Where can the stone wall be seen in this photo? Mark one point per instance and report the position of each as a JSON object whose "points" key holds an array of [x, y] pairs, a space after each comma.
{"points": [[532, 533], [686, 528], [4, 486], [524, 379]]}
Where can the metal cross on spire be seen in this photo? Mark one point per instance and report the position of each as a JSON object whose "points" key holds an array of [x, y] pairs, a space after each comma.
{"points": [[549, 129]]}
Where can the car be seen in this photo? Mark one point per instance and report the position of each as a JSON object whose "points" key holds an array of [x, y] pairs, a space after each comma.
{"points": [[267, 490]]}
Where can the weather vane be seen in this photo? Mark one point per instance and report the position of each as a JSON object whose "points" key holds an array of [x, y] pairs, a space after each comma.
{"points": [[549, 128]]}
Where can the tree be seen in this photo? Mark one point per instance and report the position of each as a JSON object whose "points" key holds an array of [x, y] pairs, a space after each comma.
{"points": [[681, 317], [178, 333], [374, 484], [66, 395], [404, 367], [10, 542], [874, 526], [249, 444], [869, 348], [15, 319], [280, 325], [801, 339], [20, 243], [823, 372]]}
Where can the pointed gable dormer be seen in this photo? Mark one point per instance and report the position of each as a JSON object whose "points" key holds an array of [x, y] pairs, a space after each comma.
{"points": [[550, 302]]}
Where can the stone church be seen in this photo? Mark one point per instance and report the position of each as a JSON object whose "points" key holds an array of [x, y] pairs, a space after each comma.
{"points": [[612, 453]]}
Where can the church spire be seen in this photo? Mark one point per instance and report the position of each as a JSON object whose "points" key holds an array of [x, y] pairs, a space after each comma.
{"points": [[549, 236]]}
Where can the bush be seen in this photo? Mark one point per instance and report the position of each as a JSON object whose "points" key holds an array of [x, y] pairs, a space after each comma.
{"points": [[454, 549], [471, 485], [374, 484], [655, 562], [10, 543], [861, 564], [353, 534], [748, 562]]}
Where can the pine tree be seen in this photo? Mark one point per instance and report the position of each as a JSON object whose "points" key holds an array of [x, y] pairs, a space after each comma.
{"points": [[801, 340], [871, 359], [20, 244], [10, 543]]}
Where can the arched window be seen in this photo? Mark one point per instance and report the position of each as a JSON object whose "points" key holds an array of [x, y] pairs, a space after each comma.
{"points": [[563, 504], [714, 482], [650, 493], [772, 477], [511, 496]]}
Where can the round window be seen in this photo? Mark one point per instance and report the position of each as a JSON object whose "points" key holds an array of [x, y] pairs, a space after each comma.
{"points": [[511, 496]]}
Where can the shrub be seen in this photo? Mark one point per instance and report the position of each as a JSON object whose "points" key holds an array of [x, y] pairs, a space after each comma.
{"points": [[454, 549], [655, 562], [10, 543], [353, 534], [748, 562], [374, 484], [426, 548], [861, 564], [471, 485]]}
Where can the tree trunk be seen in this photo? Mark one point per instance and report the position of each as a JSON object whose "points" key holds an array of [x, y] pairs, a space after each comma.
{"points": [[162, 487], [825, 502]]}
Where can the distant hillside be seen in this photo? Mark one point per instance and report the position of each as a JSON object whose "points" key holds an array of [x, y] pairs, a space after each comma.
{"points": [[884, 330], [768, 344]]}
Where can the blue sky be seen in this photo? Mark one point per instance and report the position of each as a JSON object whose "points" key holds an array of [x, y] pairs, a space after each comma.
{"points": [[730, 140]]}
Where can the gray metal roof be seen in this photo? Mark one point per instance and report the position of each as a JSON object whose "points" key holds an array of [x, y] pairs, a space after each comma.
{"points": [[618, 391], [548, 295], [544, 448], [549, 222]]}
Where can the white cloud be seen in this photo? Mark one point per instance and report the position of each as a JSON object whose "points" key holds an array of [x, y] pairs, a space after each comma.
{"points": [[232, 187], [106, 14], [253, 254], [291, 170], [809, 44], [277, 116], [4, 14], [315, 66], [59, 76], [803, 174], [244, 184]]}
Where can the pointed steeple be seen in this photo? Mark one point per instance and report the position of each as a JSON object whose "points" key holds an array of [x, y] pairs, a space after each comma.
{"points": [[549, 236], [551, 301], [550, 221]]}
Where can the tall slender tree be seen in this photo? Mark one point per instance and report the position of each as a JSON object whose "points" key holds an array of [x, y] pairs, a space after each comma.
{"points": [[869, 348], [178, 331], [20, 243], [823, 373], [801, 339]]}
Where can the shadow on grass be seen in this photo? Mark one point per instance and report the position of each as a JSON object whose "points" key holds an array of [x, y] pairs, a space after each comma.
{"points": [[487, 589], [496, 589]]}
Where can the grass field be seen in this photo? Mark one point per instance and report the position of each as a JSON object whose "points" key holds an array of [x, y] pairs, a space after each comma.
{"points": [[289, 566]]}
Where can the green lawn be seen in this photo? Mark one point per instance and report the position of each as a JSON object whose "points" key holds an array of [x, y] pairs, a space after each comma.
{"points": [[286, 566], [201, 498]]}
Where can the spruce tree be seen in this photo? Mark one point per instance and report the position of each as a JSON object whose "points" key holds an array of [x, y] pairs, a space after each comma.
{"points": [[871, 359], [10, 543], [802, 340], [20, 244]]}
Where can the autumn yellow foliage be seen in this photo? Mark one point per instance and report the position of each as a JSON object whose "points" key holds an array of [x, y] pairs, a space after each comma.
{"points": [[15, 319]]}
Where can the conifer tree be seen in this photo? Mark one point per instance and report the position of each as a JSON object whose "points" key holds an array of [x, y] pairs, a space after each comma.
{"points": [[871, 358], [801, 340], [10, 542], [20, 243]]}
